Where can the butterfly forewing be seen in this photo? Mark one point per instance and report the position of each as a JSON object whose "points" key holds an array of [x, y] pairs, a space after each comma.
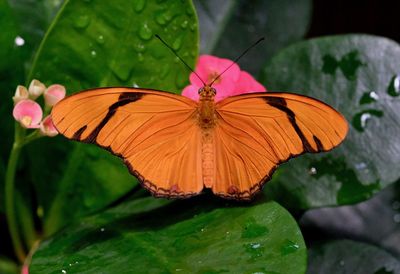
{"points": [[256, 132], [154, 132]]}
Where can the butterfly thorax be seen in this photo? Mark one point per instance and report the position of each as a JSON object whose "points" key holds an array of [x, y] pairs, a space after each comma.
{"points": [[206, 108]]}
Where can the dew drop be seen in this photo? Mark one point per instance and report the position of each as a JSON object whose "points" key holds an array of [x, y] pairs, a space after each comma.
{"points": [[341, 263], [82, 22], [394, 86], [100, 39], [189, 11], [178, 269], [369, 97], [140, 57], [140, 4], [135, 85], [312, 171], [177, 44], [396, 218], [184, 24], [19, 41], [361, 119], [102, 229], [396, 205], [93, 53], [163, 18], [145, 32], [289, 247], [164, 71], [63, 271], [193, 27], [139, 47], [361, 166], [121, 72]]}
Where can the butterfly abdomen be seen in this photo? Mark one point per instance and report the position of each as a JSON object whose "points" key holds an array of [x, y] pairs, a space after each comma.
{"points": [[208, 158]]}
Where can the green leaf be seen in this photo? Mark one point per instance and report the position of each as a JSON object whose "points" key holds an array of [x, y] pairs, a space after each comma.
{"points": [[11, 73], [191, 236], [229, 27], [101, 43], [342, 71], [347, 256]]}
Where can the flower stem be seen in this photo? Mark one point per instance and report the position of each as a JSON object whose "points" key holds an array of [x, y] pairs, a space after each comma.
{"points": [[10, 195]]}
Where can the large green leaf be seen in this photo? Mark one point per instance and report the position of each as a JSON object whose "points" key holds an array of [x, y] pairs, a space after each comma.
{"points": [[348, 257], [359, 76], [192, 236], [229, 27], [11, 73], [102, 43]]}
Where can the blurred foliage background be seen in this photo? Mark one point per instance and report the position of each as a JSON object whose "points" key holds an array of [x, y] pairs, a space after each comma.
{"points": [[337, 212]]}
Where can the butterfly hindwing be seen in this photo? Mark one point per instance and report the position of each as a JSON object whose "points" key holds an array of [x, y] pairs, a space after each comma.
{"points": [[256, 132], [152, 131]]}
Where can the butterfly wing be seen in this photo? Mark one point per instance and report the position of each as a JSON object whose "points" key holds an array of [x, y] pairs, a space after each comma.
{"points": [[154, 132], [256, 132]]}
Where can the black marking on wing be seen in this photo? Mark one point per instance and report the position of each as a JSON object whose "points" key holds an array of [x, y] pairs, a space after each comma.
{"points": [[280, 103], [124, 99], [78, 133], [320, 146]]}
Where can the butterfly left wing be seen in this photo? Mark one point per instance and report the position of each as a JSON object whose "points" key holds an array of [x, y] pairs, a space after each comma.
{"points": [[154, 132], [256, 132]]}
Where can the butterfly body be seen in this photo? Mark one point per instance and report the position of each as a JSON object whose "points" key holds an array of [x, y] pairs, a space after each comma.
{"points": [[176, 146]]}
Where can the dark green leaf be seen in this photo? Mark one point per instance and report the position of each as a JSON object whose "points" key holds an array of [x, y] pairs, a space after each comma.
{"points": [[189, 236], [348, 257], [342, 71], [229, 27], [101, 43], [11, 74]]}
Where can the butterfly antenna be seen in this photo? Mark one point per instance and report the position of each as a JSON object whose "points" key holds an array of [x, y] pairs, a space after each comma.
{"points": [[176, 54], [237, 59]]}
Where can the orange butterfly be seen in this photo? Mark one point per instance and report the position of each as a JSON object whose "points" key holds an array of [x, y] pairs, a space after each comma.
{"points": [[176, 146]]}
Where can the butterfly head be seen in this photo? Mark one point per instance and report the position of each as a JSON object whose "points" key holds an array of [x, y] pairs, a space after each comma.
{"points": [[207, 92]]}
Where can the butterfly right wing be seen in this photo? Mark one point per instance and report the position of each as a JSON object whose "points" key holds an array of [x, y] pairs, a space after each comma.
{"points": [[154, 132]]}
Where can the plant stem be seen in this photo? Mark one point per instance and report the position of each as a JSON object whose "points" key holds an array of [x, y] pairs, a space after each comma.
{"points": [[10, 195]]}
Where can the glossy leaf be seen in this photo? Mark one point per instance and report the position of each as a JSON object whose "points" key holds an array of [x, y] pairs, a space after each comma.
{"points": [[349, 257], [229, 27], [7, 266], [101, 43], [187, 236], [342, 71]]}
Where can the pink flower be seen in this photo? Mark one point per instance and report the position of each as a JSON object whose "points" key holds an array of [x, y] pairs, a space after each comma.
{"points": [[28, 113], [25, 269], [232, 82], [21, 93], [53, 94], [36, 88], [47, 127]]}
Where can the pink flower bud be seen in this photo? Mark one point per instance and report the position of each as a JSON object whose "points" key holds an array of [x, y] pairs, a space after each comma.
{"points": [[21, 93], [54, 94], [36, 88], [47, 127], [28, 113], [25, 269]]}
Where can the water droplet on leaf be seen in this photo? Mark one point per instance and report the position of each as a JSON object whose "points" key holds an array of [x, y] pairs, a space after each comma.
{"points": [[369, 97], [93, 53], [139, 6], [82, 22], [253, 230], [184, 24], [145, 32], [100, 39], [176, 45], [312, 171], [361, 119], [289, 247], [394, 86]]}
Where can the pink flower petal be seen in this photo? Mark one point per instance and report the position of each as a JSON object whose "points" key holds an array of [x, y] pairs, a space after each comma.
{"points": [[247, 84], [191, 92], [232, 82], [47, 127], [25, 269], [54, 94], [28, 113]]}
